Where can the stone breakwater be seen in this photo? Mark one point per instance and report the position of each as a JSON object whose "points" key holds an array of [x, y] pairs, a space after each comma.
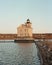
{"points": [[45, 50]]}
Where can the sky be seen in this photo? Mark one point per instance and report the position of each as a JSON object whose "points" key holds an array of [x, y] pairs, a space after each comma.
{"points": [[16, 12]]}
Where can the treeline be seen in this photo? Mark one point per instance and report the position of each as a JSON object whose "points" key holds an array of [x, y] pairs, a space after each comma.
{"points": [[36, 36]]}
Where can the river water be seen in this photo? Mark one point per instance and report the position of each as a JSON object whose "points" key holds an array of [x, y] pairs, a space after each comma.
{"points": [[18, 54]]}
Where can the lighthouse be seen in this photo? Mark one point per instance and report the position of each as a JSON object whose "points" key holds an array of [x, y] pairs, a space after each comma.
{"points": [[24, 33], [25, 30]]}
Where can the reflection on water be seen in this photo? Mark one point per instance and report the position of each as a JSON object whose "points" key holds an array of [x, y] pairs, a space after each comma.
{"points": [[18, 54], [26, 54]]}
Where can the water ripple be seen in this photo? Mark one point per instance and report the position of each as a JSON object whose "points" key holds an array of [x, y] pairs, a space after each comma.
{"points": [[14, 54]]}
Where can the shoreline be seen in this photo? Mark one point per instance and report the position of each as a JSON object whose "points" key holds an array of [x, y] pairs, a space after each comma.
{"points": [[45, 55]]}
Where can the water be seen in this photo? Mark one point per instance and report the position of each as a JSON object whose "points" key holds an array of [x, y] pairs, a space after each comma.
{"points": [[18, 54]]}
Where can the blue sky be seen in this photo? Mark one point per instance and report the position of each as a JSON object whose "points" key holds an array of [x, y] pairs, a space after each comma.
{"points": [[15, 12]]}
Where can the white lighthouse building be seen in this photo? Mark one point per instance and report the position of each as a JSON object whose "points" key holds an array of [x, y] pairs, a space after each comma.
{"points": [[25, 30]]}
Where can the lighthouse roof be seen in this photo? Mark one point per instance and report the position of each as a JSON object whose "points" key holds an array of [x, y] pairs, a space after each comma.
{"points": [[28, 21]]}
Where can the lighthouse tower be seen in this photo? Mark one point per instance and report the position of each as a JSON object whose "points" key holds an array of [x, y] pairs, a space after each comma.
{"points": [[28, 23]]}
